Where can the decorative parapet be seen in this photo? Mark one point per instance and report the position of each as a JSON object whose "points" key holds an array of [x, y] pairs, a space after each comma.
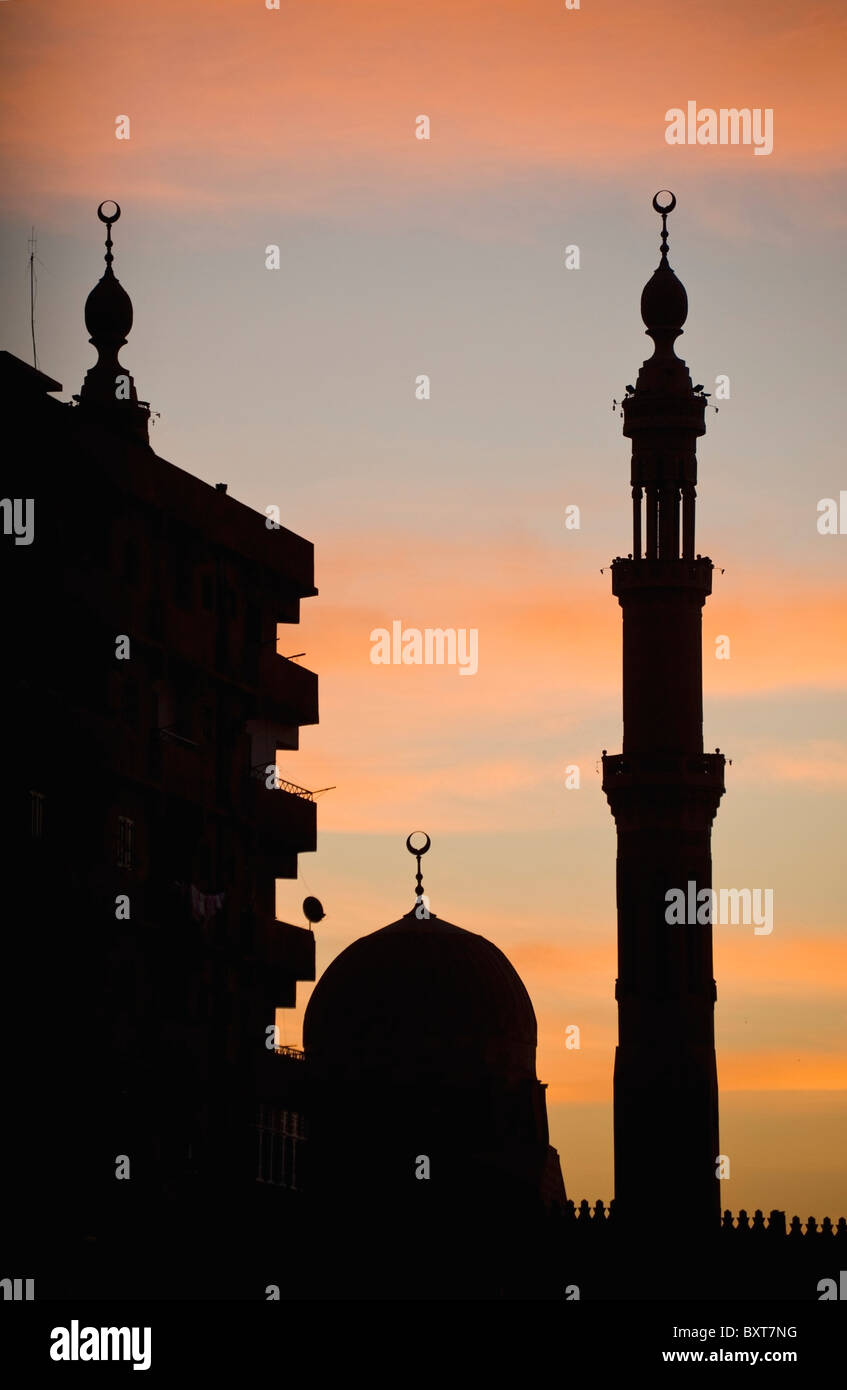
{"points": [[586, 1216]]}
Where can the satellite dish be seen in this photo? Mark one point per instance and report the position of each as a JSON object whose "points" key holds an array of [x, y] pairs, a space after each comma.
{"points": [[313, 910]]}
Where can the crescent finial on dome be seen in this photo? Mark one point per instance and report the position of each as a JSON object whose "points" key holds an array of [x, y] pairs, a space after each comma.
{"points": [[418, 853], [664, 302], [109, 388]]}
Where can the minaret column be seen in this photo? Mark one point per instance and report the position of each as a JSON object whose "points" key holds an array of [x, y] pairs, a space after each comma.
{"points": [[664, 792]]}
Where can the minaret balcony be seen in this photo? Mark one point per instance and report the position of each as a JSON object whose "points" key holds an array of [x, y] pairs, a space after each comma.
{"points": [[703, 771], [629, 575], [670, 407]]}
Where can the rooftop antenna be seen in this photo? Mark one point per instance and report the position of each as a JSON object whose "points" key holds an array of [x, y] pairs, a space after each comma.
{"points": [[32, 245]]}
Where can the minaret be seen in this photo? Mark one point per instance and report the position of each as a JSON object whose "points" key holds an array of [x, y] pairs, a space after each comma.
{"points": [[108, 392], [664, 793]]}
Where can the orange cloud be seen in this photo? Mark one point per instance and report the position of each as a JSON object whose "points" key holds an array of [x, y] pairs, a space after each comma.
{"points": [[586, 1075], [549, 662], [315, 105], [781, 1071], [820, 762]]}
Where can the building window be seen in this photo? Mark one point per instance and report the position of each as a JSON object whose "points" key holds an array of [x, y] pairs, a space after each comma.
{"points": [[36, 810], [126, 843], [279, 1133]]}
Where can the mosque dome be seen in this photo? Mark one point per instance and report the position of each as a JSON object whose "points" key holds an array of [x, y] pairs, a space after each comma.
{"points": [[420, 1044], [422, 997]]}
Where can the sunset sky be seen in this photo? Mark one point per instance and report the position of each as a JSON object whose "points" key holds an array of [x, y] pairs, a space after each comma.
{"points": [[296, 127]]}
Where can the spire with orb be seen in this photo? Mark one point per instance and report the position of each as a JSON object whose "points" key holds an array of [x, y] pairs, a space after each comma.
{"points": [[108, 391]]}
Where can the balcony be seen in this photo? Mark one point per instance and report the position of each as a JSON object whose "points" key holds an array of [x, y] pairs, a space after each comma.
{"points": [[665, 575], [281, 946], [663, 791], [285, 817], [281, 1078], [663, 769], [288, 693]]}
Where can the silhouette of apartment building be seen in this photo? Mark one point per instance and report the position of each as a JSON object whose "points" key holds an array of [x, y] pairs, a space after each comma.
{"points": [[144, 702]]}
